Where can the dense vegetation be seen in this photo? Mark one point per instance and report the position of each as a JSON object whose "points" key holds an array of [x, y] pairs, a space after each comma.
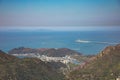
{"points": [[105, 66], [12, 68]]}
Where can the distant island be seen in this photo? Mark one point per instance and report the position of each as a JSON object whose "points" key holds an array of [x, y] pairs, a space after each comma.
{"points": [[51, 52], [63, 55]]}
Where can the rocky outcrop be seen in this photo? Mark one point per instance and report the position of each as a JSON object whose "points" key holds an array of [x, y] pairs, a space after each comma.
{"points": [[110, 50]]}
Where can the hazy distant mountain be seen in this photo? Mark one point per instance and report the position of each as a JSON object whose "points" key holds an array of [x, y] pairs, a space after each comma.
{"points": [[60, 52], [104, 66], [12, 68]]}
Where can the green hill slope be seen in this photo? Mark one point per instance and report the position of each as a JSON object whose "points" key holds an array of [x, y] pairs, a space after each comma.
{"points": [[105, 66], [12, 68]]}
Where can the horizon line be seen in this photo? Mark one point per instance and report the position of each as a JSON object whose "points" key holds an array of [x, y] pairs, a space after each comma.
{"points": [[61, 28]]}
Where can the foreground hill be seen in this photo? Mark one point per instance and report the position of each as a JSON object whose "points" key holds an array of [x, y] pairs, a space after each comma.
{"points": [[12, 68], [60, 52], [5, 57], [104, 66]]}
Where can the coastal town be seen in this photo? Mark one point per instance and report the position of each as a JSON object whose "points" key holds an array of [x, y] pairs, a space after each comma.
{"points": [[66, 59]]}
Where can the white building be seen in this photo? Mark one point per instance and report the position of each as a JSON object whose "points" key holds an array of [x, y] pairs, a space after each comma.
{"points": [[118, 78]]}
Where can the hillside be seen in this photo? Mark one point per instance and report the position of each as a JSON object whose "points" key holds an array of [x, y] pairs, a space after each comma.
{"points": [[5, 57], [60, 52], [27, 69], [104, 66]]}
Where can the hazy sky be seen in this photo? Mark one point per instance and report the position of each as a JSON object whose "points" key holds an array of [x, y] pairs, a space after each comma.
{"points": [[59, 12]]}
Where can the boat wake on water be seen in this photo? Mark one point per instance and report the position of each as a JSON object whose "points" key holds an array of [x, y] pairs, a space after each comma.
{"points": [[98, 42], [82, 41]]}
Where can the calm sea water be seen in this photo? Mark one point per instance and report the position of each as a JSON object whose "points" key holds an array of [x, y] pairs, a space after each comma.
{"points": [[61, 39]]}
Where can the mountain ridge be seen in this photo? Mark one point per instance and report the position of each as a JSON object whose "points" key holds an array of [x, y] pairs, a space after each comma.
{"points": [[6, 57], [104, 66], [52, 52]]}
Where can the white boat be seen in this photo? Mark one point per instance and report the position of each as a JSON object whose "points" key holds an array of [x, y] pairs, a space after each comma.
{"points": [[82, 41]]}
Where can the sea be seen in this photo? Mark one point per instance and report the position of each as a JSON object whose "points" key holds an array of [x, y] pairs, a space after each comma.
{"points": [[85, 42]]}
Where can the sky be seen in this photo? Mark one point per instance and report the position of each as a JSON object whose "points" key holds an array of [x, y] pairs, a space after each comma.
{"points": [[59, 13]]}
